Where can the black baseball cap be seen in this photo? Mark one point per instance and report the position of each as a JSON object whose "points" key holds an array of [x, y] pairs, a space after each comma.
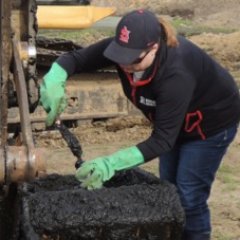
{"points": [[136, 32]]}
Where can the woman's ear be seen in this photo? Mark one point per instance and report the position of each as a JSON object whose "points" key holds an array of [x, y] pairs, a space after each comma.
{"points": [[156, 46]]}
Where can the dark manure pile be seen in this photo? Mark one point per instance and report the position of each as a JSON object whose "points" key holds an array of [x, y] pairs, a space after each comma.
{"points": [[132, 205]]}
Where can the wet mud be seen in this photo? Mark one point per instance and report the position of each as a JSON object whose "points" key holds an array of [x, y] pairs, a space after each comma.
{"points": [[132, 205]]}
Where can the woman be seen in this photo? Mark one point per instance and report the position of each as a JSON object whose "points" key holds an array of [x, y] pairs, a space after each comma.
{"points": [[192, 101]]}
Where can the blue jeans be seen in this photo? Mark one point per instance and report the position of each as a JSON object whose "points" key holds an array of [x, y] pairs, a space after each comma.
{"points": [[192, 167]]}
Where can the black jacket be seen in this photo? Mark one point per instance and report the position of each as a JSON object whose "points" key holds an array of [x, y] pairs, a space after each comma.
{"points": [[190, 96]]}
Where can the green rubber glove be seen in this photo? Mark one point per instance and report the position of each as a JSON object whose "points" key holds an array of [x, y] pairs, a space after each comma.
{"points": [[92, 174], [52, 92]]}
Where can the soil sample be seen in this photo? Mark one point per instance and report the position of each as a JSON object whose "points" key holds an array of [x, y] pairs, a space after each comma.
{"points": [[132, 205]]}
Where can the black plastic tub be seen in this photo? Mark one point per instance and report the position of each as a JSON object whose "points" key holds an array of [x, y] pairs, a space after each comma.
{"points": [[132, 205]]}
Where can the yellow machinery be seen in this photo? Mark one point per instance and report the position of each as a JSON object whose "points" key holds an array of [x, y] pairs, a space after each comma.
{"points": [[70, 17], [19, 85]]}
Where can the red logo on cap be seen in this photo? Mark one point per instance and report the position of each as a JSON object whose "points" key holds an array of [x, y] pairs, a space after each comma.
{"points": [[124, 35]]}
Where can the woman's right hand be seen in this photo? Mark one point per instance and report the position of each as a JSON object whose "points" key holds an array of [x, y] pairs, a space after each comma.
{"points": [[52, 93]]}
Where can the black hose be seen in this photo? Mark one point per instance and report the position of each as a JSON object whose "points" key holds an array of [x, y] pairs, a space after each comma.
{"points": [[72, 142]]}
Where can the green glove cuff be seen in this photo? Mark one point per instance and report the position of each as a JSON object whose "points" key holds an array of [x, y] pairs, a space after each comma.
{"points": [[126, 158], [120, 160], [56, 75]]}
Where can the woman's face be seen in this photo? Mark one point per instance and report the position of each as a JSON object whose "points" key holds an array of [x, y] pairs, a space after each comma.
{"points": [[145, 60]]}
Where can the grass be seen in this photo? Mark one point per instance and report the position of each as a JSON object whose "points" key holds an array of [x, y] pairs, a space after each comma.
{"points": [[219, 236], [227, 175], [188, 27]]}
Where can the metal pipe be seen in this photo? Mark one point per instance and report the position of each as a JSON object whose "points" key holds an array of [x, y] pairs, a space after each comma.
{"points": [[22, 98], [19, 167]]}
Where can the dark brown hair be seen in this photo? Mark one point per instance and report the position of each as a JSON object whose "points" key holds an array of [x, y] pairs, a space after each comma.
{"points": [[170, 32]]}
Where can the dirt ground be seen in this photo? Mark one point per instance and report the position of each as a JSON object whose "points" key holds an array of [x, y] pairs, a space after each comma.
{"points": [[104, 137]]}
